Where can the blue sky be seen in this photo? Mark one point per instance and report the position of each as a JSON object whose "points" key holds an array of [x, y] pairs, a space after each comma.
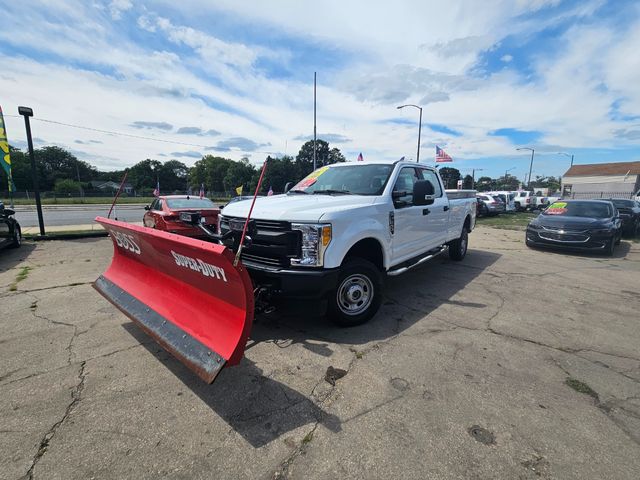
{"points": [[236, 79]]}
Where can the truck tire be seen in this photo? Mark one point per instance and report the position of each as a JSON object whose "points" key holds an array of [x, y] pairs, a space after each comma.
{"points": [[358, 294], [458, 247]]}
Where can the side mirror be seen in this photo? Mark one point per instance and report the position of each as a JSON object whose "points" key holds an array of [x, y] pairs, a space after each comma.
{"points": [[423, 193], [147, 207], [288, 186]]}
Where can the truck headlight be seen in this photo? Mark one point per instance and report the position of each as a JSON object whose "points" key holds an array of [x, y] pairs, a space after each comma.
{"points": [[315, 240]]}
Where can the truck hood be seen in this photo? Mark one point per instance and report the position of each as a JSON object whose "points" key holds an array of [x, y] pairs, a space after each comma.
{"points": [[296, 207]]}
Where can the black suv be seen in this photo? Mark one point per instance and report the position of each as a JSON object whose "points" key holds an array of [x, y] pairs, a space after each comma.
{"points": [[10, 234]]}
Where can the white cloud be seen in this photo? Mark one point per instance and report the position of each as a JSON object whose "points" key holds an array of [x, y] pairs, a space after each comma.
{"points": [[393, 58], [116, 7]]}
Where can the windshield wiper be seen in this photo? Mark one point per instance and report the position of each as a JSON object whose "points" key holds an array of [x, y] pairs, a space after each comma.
{"points": [[298, 191], [329, 192]]}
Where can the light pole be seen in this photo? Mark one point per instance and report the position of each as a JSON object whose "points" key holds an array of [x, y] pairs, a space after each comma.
{"points": [[568, 156], [419, 127], [531, 164], [27, 112], [506, 176]]}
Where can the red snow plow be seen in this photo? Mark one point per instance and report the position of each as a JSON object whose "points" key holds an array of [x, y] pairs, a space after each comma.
{"points": [[188, 294]]}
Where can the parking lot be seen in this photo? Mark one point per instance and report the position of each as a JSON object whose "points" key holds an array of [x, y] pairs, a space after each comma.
{"points": [[514, 363]]}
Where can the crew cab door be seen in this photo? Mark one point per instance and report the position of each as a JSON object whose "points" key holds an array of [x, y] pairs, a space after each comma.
{"points": [[436, 223], [409, 219]]}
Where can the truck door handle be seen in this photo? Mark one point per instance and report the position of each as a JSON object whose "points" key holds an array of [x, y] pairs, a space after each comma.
{"points": [[426, 211], [446, 208]]}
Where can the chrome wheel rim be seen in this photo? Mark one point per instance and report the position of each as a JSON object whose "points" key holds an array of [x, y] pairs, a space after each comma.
{"points": [[355, 294], [463, 244]]}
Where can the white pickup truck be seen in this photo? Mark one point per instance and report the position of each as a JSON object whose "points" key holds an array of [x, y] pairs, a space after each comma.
{"points": [[339, 232]]}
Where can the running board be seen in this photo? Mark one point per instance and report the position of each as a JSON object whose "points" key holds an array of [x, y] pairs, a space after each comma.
{"points": [[420, 261]]}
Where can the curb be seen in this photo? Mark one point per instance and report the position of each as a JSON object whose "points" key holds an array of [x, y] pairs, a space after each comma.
{"points": [[67, 236]]}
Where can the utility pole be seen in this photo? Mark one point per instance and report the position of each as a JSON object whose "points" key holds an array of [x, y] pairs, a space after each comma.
{"points": [[27, 112], [531, 164], [473, 177], [314, 120]]}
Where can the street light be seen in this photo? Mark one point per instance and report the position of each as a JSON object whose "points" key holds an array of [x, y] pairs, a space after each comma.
{"points": [[568, 156], [419, 127], [27, 112], [531, 165]]}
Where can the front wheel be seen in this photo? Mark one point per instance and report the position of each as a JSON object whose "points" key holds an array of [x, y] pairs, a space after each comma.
{"points": [[458, 247], [358, 295], [610, 247], [17, 237]]}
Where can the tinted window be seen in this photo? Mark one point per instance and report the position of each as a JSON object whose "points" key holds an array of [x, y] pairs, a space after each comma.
{"points": [[580, 209], [433, 178], [191, 202], [621, 203], [407, 177]]}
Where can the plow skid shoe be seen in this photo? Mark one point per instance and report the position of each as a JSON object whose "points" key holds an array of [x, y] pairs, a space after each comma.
{"points": [[185, 293]]}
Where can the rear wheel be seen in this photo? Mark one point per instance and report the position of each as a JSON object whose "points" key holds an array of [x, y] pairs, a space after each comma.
{"points": [[458, 247], [17, 237], [358, 295]]}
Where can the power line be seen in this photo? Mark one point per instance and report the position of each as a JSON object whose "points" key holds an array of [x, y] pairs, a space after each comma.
{"points": [[130, 135]]}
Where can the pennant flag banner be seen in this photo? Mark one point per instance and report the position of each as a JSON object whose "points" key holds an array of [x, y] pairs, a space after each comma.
{"points": [[5, 159], [239, 190]]}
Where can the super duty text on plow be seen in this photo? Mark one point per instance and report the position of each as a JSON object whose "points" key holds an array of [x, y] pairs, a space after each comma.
{"points": [[331, 240]]}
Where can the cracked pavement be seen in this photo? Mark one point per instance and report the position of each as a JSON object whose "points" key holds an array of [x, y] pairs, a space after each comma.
{"points": [[486, 343]]}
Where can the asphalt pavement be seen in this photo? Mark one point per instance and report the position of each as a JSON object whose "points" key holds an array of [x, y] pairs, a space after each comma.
{"points": [[72, 215], [512, 364]]}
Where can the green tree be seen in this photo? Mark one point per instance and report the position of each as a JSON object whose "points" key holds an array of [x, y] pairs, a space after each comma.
{"points": [[241, 173], [279, 172], [450, 176], [56, 163], [485, 184], [145, 174], [324, 156], [66, 186], [507, 183], [174, 176], [467, 182], [211, 171]]}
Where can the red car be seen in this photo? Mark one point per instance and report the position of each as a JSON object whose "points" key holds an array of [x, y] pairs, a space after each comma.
{"points": [[164, 214]]}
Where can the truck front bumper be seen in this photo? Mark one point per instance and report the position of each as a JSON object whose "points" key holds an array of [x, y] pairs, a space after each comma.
{"points": [[295, 284]]}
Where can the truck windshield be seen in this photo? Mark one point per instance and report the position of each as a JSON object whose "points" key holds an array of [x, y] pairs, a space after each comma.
{"points": [[363, 179]]}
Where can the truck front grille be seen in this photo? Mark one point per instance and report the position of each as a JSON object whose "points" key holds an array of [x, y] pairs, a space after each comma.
{"points": [[274, 244]]}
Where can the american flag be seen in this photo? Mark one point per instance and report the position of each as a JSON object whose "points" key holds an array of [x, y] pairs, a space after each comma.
{"points": [[270, 192], [442, 156], [156, 192], [202, 190], [360, 159]]}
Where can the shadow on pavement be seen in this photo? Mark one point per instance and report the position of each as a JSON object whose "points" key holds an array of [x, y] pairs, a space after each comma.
{"points": [[11, 257], [417, 293], [620, 251], [262, 409], [259, 408]]}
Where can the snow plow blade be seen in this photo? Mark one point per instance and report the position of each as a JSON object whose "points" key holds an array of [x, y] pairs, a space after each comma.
{"points": [[183, 292]]}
